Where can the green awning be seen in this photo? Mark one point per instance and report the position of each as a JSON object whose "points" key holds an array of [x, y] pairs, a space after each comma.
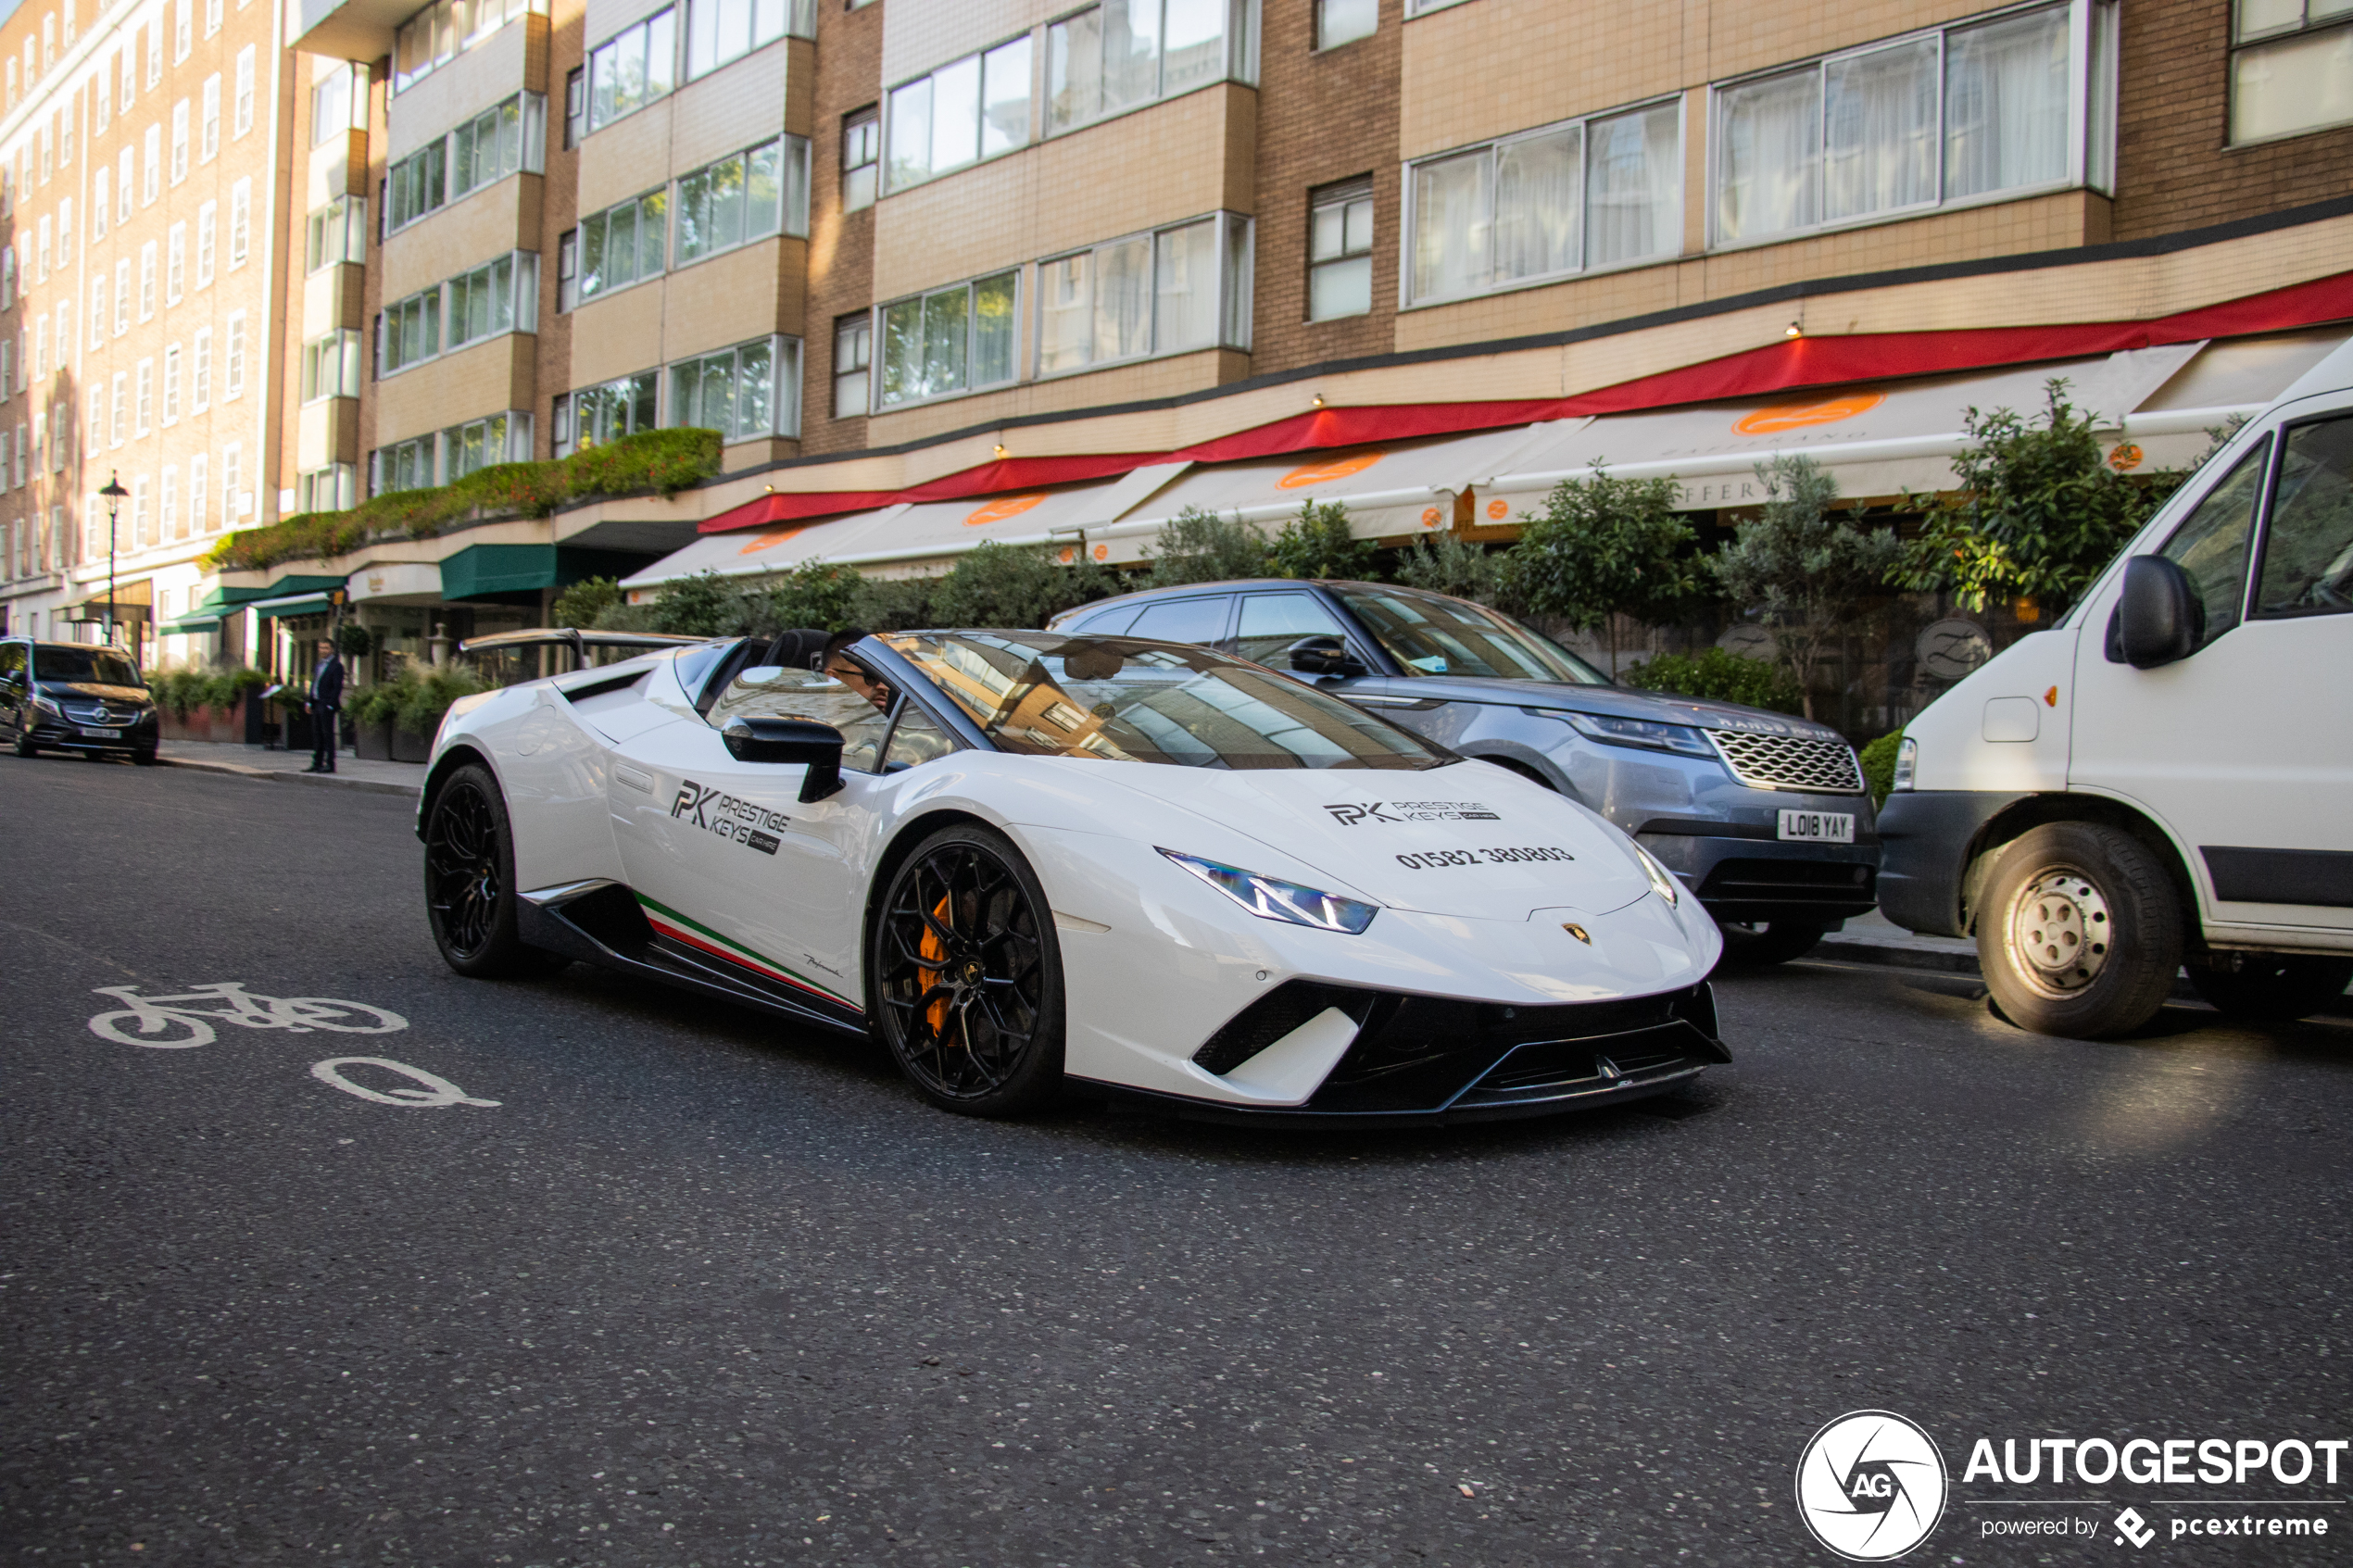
{"points": [[482, 570], [300, 604], [186, 624], [224, 600]]}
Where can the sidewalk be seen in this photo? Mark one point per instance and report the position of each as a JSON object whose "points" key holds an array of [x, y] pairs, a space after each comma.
{"points": [[287, 767]]}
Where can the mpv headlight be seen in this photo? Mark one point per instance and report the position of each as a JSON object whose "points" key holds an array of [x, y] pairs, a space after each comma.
{"points": [[1647, 733], [1271, 899], [48, 706], [1907, 762]]}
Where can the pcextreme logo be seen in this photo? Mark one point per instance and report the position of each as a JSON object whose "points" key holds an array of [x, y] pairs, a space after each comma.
{"points": [[1871, 1485]]}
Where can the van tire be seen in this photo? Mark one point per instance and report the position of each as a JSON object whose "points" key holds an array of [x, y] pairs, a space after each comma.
{"points": [[2270, 988], [2079, 932]]}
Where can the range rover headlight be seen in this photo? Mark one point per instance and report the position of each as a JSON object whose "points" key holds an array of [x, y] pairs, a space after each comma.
{"points": [[1907, 762], [1272, 899], [1647, 733]]}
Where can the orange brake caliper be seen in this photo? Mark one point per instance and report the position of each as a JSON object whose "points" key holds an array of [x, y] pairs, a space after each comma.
{"points": [[932, 948]]}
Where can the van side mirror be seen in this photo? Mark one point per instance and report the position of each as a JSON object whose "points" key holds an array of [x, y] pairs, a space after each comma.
{"points": [[2160, 619], [789, 741], [1324, 656]]}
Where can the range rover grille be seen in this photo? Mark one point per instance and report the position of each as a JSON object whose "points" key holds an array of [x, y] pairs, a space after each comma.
{"points": [[1806, 762]]}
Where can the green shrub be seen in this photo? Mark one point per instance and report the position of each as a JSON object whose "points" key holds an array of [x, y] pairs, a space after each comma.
{"points": [[1015, 586], [1720, 676], [894, 604], [1200, 547], [1879, 765], [354, 641], [183, 692], [416, 699], [373, 705], [665, 462], [815, 593], [583, 601], [1316, 543], [1447, 563]]}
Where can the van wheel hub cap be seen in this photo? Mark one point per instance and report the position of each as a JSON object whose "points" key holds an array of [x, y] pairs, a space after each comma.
{"points": [[2060, 930]]}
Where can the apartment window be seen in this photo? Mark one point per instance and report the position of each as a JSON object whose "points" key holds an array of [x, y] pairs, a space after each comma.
{"points": [[405, 465], [973, 109], [1344, 21], [2292, 70], [1125, 52], [199, 515], [441, 32], [494, 143], [169, 523], [8, 278], [233, 369], [232, 494], [243, 113], [1180, 289], [180, 141], [493, 297], [597, 415], [208, 227], [40, 252], [240, 223], [1594, 193], [183, 36], [65, 230], [631, 70], [151, 166], [336, 232], [209, 139], [126, 95], [417, 185], [339, 102], [142, 406], [409, 329], [331, 366], [618, 247], [334, 488], [140, 537], [860, 157], [720, 31], [171, 379], [175, 269], [122, 296], [123, 174], [575, 105], [1340, 251], [211, 17], [101, 105], [749, 391], [1951, 114], [147, 281], [101, 202], [744, 197], [853, 356], [481, 444], [949, 340], [65, 134]]}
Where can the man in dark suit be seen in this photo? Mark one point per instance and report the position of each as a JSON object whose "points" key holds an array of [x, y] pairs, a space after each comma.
{"points": [[326, 703]]}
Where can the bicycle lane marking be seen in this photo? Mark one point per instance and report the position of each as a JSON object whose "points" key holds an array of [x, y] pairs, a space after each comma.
{"points": [[436, 1091]]}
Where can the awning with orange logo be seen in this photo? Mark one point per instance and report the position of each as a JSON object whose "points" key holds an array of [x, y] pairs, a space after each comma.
{"points": [[763, 552]]}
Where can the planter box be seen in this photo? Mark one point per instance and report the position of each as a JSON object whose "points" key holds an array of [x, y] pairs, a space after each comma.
{"points": [[407, 747], [206, 723], [374, 741]]}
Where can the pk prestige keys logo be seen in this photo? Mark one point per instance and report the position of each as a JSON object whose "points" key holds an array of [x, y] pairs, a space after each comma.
{"points": [[1871, 1485]]}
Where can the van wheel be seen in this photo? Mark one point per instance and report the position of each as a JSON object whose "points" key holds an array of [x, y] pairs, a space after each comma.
{"points": [[2270, 988], [2079, 934], [1768, 942]]}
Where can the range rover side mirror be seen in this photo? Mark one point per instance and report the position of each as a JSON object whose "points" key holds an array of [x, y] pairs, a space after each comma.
{"points": [[2160, 619], [788, 741], [1324, 656]]}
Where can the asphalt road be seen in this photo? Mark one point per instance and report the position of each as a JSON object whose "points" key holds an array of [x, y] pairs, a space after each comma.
{"points": [[699, 1289]]}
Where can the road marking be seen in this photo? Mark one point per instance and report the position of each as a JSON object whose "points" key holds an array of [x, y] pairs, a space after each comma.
{"points": [[180, 1022], [436, 1090]]}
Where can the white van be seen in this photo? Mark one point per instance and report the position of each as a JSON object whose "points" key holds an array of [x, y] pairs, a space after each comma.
{"points": [[2166, 777]]}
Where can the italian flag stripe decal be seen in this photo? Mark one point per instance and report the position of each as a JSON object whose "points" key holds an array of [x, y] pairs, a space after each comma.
{"points": [[679, 928]]}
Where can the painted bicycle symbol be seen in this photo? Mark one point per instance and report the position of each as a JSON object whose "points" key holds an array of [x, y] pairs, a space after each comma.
{"points": [[185, 1020]]}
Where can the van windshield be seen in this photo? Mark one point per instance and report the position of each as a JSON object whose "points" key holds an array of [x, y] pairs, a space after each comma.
{"points": [[97, 667], [1433, 635]]}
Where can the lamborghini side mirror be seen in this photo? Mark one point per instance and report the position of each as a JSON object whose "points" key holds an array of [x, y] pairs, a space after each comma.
{"points": [[2159, 617], [1324, 656], [786, 742]]}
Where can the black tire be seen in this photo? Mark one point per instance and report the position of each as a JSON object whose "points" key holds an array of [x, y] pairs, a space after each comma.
{"points": [[2079, 932], [967, 987], [1772, 942], [2272, 987], [143, 758], [470, 880], [24, 745]]}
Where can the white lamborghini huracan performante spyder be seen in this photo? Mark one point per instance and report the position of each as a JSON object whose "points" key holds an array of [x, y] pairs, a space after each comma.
{"points": [[1025, 860]]}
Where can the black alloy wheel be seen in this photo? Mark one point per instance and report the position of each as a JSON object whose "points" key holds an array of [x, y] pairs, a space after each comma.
{"points": [[470, 877], [967, 985]]}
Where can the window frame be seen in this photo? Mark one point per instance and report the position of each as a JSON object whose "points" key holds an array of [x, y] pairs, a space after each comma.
{"points": [[1343, 194], [2240, 44], [1221, 243], [861, 323], [569, 267], [886, 110], [399, 80], [784, 387], [2091, 107], [677, 64], [799, 21], [1240, 65], [879, 340], [868, 118]]}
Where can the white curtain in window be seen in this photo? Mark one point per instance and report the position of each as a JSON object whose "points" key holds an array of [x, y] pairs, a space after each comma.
{"points": [[1123, 299], [1633, 186], [1539, 203], [2005, 104], [1066, 314], [1879, 125], [1237, 282], [955, 115], [1185, 305], [1771, 158], [2297, 84], [1450, 211]]}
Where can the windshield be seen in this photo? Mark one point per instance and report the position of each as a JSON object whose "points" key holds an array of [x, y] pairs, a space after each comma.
{"points": [[97, 667], [1431, 636], [1041, 695]]}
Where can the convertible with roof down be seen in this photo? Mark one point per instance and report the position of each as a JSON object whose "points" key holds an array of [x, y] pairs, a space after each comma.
{"points": [[1026, 861]]}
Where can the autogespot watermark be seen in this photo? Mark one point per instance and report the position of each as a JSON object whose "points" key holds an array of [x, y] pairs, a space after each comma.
{"points": [[1871, 1486]]}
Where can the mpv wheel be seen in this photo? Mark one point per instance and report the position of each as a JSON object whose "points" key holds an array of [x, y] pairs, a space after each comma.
{"points": [[2270, 988], [2079, 932]]}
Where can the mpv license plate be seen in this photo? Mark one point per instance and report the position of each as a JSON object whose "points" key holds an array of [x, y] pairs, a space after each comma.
{"points": [[1818, 827], [96, 734]]}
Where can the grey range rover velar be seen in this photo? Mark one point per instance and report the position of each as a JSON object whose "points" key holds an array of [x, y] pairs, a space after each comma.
{"points": [[1765, 817]]}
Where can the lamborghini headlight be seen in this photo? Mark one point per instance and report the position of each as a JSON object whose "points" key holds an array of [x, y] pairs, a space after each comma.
{"points": [[1271, 899], [1662, 880]]}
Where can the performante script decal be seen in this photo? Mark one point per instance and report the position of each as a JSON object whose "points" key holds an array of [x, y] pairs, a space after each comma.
{"points": [[729, 817], [1348, 813], [694, 933], [1437, 858]]}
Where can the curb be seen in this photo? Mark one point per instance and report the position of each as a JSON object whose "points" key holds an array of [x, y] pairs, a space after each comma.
{"points": [[330, 780], [1888, 955]]}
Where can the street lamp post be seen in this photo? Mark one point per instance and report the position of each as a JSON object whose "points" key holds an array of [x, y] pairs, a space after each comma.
{"points": [[114, 492]]}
